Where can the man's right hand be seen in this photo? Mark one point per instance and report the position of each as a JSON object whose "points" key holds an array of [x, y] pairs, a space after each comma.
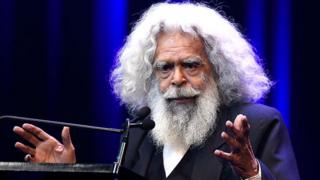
{"points": [[46, 148]]}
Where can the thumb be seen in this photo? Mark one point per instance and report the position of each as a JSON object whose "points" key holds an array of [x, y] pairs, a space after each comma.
{"points": [[66, 138]]}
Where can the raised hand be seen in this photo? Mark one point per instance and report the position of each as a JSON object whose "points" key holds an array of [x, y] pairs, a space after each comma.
{"points": [[46, 149], [241, 156]]}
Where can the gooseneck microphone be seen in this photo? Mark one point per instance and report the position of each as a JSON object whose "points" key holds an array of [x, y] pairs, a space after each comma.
{"points": [[146, 124], [136, 122], [140, 115]]}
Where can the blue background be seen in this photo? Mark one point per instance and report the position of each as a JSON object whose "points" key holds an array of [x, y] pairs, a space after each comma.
{"points": [[56, 57]]}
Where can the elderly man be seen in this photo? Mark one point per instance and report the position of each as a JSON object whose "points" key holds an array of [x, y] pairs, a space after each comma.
{"points": [[200, 78]]}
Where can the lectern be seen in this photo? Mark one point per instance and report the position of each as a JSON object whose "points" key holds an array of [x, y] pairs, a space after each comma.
{"points": [[45, 171]]}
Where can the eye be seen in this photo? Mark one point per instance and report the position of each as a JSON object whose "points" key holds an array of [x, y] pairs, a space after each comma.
{"points": [[164, 69], [191, 65]]}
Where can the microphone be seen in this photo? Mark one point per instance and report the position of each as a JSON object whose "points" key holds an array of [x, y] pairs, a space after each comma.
{"points": [[141, 114], [146, 124]]}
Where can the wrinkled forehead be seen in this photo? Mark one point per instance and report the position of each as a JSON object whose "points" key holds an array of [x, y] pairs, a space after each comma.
{"points": [[179, 44], [176, 39]]}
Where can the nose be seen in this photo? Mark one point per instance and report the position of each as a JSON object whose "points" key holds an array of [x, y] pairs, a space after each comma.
{"points": [[178, 78]]}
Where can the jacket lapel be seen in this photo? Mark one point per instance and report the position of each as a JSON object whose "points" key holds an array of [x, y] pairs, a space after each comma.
{"points": [[145, 152]]}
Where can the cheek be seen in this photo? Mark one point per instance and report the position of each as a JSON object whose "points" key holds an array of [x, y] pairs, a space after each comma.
{"points": [[199, 82], [163, 84]]}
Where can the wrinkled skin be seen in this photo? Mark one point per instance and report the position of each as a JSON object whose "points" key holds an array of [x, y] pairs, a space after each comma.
{"points": [[45, 148], [241, 156]]}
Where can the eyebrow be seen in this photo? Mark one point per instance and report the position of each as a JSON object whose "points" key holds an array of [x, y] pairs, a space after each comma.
{"points": [[158, 64], [193, 60]]}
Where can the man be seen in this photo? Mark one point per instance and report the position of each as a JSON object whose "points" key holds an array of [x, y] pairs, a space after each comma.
{"points": [[200, 78]]}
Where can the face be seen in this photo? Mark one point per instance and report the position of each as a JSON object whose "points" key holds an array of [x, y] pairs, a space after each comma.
{"points": [[185, 102], [181, 61]]}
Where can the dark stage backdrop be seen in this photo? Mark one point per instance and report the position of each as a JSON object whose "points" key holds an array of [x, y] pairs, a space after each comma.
{"points": [[56, 57]]}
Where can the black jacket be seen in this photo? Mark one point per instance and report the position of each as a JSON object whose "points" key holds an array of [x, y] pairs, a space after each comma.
{"points": [[269, 139]]}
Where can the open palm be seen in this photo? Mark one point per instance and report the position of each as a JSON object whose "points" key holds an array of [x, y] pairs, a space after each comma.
{"points": [[46, 149]]}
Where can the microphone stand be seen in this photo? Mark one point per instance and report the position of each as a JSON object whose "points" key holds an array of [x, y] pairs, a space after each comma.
{"points": [[32, 120], [122, 150]]}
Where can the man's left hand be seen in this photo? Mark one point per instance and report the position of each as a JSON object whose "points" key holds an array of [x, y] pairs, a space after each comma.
{"points": [[241, 156]]}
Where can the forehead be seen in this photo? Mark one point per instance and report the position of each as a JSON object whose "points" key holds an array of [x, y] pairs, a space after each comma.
{"points": [[179, 45]]}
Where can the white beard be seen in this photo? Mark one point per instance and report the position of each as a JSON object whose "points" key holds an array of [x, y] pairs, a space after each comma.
{"points": [[184, 124]]}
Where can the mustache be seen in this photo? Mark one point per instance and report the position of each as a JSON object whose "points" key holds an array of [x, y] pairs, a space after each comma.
{"points": [[180, 92]]}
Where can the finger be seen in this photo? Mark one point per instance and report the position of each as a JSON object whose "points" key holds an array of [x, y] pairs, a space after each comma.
{"points": [[236, 126], [25, 149], [233, 131], [26, 135], [238, 122], [66, 138], [41, 134], [229, 124], [241, 124], [230, 128], [224, 155], [245, 125], [232, 142]]}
